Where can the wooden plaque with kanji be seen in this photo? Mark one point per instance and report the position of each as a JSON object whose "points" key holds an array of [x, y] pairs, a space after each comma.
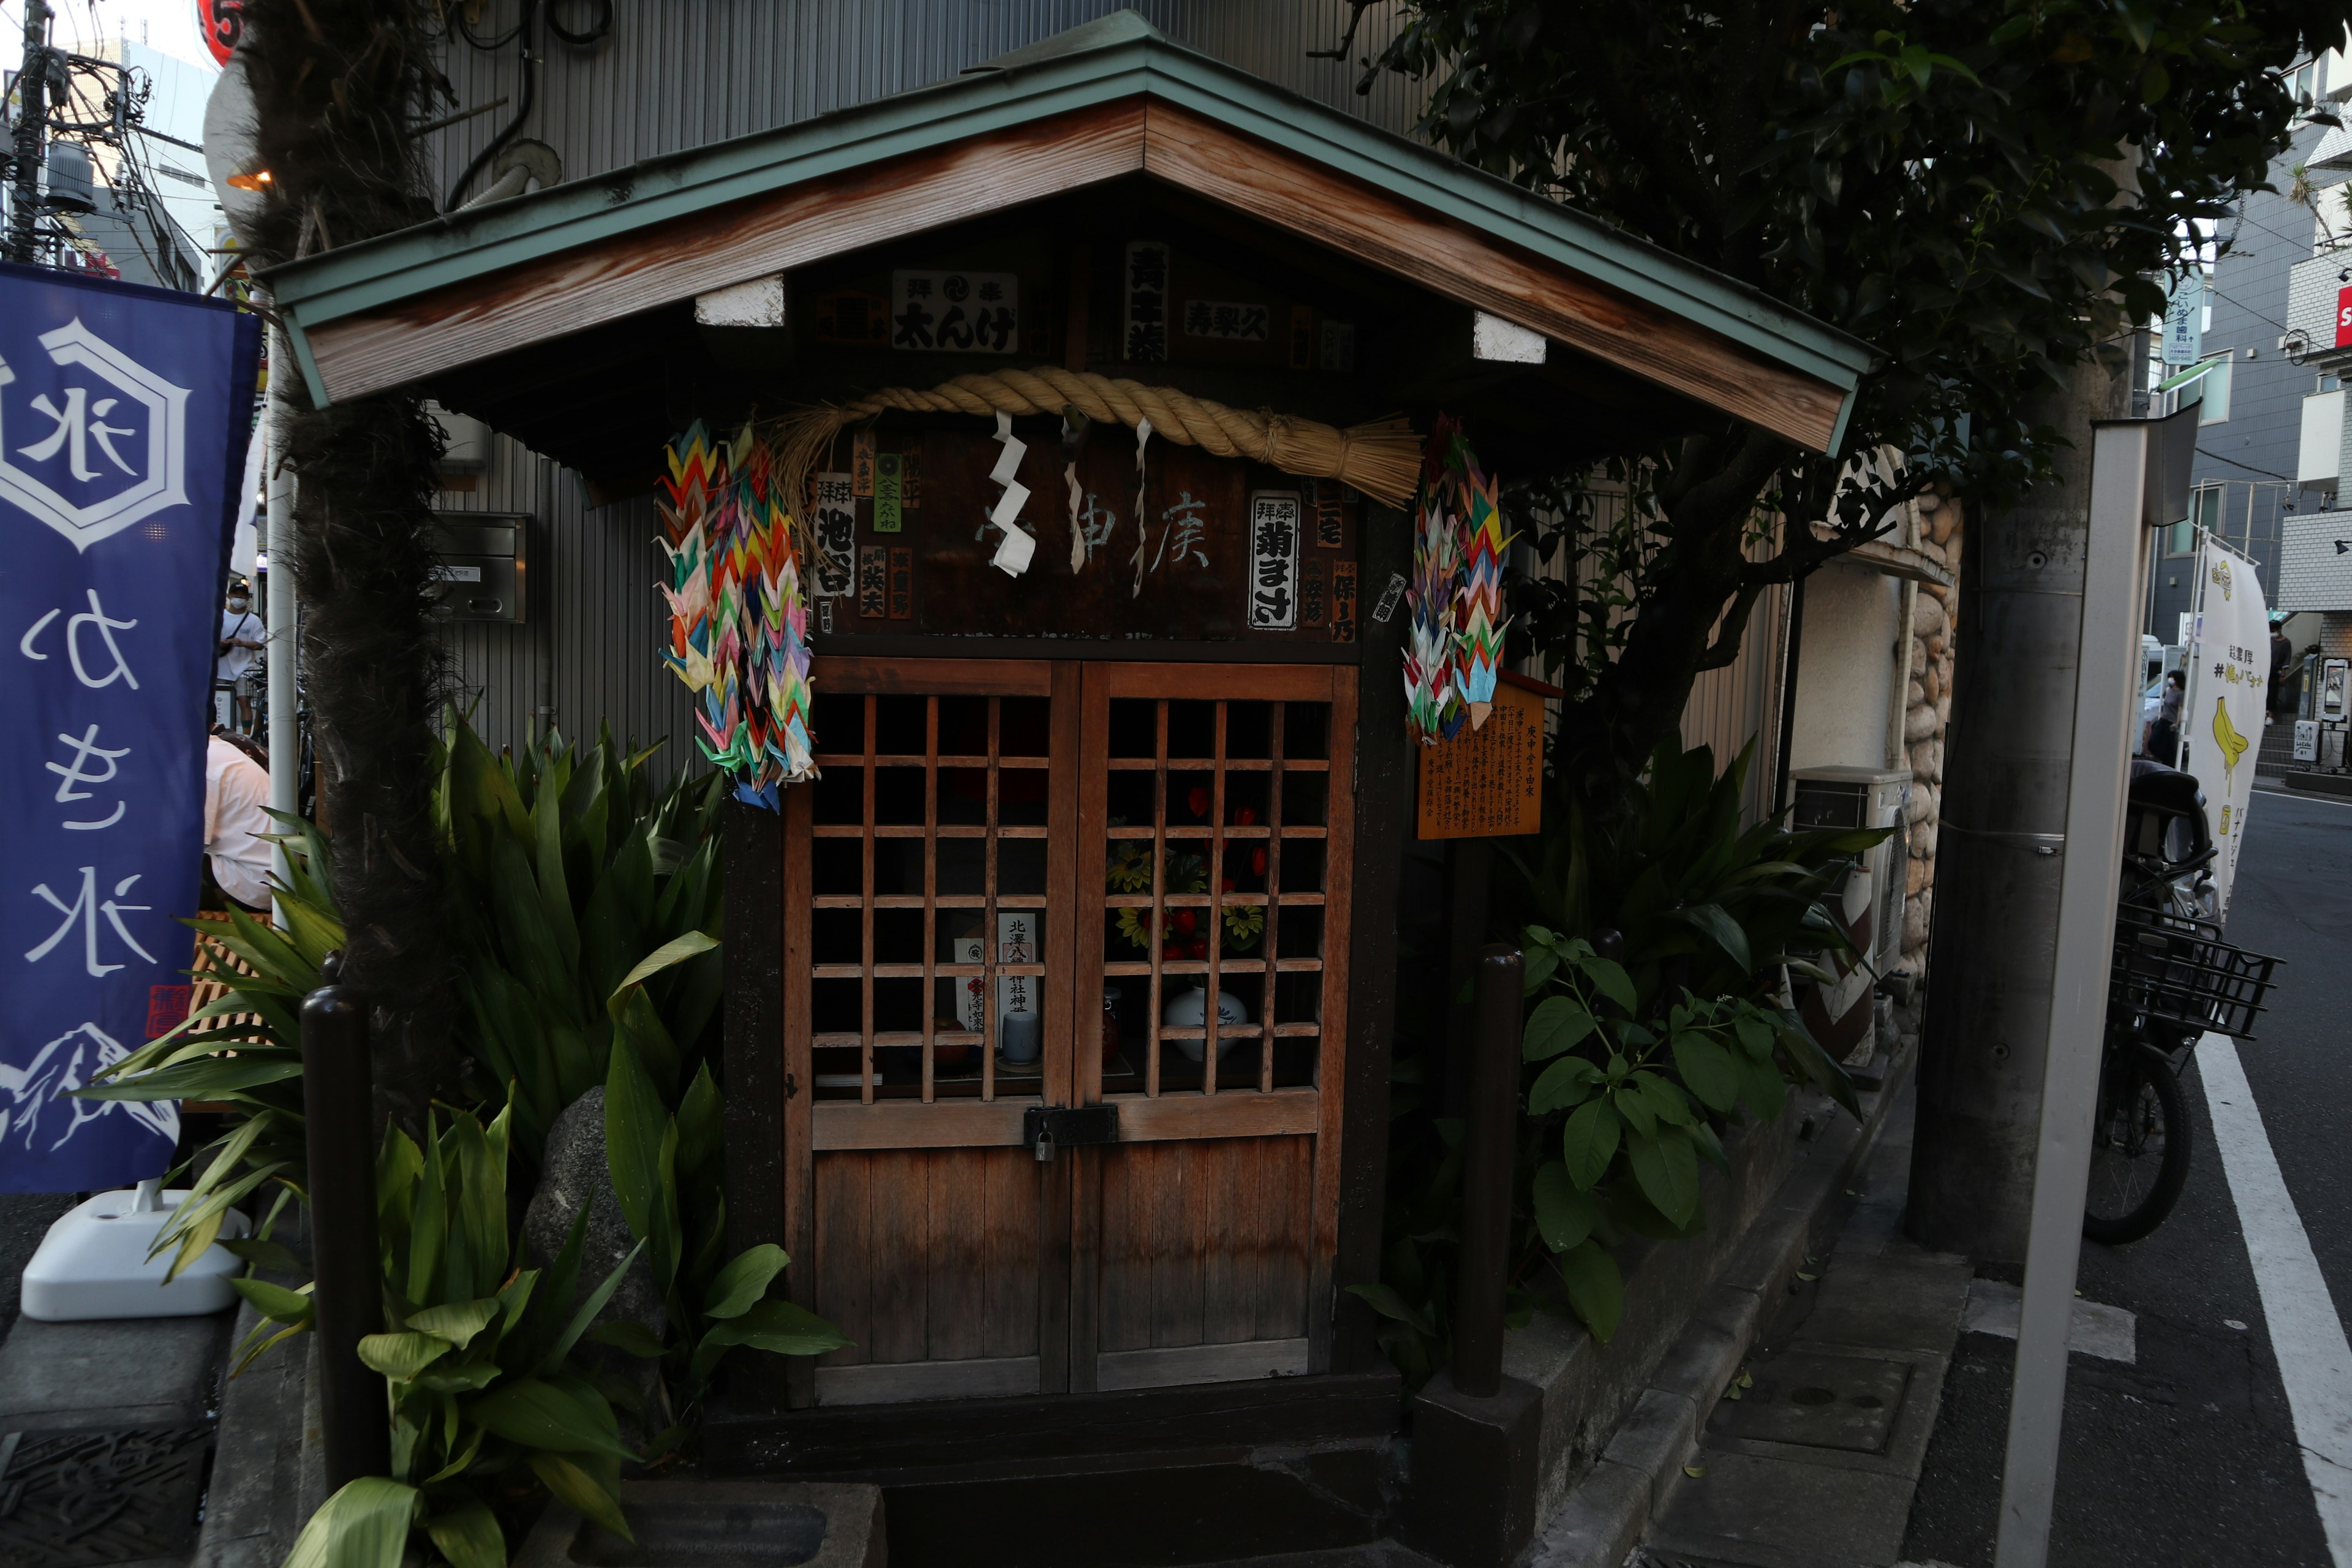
{"points": [[1487, 782]]}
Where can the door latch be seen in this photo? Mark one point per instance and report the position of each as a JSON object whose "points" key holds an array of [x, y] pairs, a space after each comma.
{"points": [[1046, 1129]]}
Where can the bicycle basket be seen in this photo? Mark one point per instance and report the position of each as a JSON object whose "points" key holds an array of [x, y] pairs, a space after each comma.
{"points": [[2177, 970]]}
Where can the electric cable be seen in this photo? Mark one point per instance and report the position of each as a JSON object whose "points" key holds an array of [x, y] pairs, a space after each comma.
{"points": [[592, 34]]}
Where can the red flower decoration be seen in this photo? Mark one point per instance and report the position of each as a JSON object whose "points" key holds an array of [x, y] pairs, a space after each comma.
{"points": [[1183, 920], [1200, 947], [1244, 816], [1257, 861], [1199, 800]]}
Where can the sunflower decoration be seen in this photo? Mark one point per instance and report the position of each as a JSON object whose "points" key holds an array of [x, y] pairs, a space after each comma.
{"points": [[1129, 872]]}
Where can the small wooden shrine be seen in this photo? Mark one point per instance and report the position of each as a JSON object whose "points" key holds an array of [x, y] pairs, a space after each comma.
{"points": [[1059, 1010]]}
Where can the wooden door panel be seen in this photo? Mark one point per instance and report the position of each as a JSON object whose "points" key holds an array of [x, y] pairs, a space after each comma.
{"points": [[928, 1260], [1204, 1242]]}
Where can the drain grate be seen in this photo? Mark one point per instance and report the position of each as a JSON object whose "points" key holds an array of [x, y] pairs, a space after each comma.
{"points": [[83, 1499], [1819, 1400]]}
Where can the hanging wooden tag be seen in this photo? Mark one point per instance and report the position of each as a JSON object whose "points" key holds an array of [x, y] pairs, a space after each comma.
{"points": [[1487, 782], [861, 461], [873, 581], [902, 584], [1343, 601], [888, 489]]}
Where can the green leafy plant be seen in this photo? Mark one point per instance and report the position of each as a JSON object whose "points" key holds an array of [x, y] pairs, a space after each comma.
{"points": [[571, 868], [244, 1049], [1634, 1065], [478, 1365], [665, 1169]]}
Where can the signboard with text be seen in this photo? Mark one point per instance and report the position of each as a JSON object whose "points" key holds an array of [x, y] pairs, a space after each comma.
{"points": [[123, 418], [2221, 713], [1487, 782]]}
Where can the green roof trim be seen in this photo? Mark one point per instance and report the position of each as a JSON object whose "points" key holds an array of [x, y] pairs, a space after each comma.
{"points": [[1117, 57]]}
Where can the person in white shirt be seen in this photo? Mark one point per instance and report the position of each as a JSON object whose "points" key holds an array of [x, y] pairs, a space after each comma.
{"points": [[237, 800], [240, 638]]}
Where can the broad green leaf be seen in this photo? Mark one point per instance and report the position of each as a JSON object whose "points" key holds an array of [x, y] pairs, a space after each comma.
{"points": [[275, 1302], [457, 1322], [1611, 977], [635, 1124], [1719, 928], [1632, 1102], [469, 1537], [1815, 1064], [744, 1280], [587, 1313], [1669, 1104], [1708, 1069], [555, 894], [1542, 963], [400, 1356], [628, 1338], [1385, 1300], [1589, 1142], [479, 1243], [1561, 1085], [534, 1413], [207, 1078], [365, 1525], [1595, 1287], [273, 1255], [580, 1491], [1564, 1216], [1667, 1167], [1755, 1037], [676, 951], [701, 1134], [782, 1327], [1557, 1025], [1763, 1088]]}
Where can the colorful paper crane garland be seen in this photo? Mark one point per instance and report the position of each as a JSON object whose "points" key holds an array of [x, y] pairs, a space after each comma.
{"points": [[738, 623], [1453, 645]]}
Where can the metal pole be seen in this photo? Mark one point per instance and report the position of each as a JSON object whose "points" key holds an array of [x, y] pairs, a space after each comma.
{"points": [[2124, 493], [1489, 1143], [349, 1294], [278, 610], [32, 119]]}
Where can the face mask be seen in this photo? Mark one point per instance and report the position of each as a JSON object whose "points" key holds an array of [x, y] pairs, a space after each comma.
{"points": [[238, 605]]}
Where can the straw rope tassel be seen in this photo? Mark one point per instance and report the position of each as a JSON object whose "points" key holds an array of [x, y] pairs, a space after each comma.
{"points": [[1381, 458]]}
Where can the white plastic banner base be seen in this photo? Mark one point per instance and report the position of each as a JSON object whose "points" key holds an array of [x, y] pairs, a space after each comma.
{"points": [[94, 1263]]}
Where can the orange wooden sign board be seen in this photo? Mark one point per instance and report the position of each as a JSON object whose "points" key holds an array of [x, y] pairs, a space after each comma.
{"points": [[1487, 782]]}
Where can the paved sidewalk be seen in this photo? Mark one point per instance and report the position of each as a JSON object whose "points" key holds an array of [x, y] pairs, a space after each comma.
{"points": [[1812, 1459]]}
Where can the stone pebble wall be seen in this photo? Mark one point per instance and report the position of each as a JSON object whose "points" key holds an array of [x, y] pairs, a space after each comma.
{"points": [[1927, 714]]}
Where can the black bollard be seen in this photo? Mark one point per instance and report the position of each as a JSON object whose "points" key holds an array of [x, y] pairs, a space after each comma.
{"points": [[338, 1089], [1489, 1143]]}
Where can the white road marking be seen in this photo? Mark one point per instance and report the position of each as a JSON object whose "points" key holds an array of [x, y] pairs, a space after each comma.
{"points": [[2301, 794], [2306, 1335], [2108, 1333]]}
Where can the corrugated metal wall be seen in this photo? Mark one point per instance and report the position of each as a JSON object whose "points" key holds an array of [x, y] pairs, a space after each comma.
{"points": [[675, 74], [1727, 707]]}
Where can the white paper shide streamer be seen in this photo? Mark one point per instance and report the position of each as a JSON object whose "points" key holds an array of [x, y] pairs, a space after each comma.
{"points": [[1012, 555]]}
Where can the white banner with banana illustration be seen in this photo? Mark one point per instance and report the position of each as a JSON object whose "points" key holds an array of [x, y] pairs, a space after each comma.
{"points": [[2228, 665]]}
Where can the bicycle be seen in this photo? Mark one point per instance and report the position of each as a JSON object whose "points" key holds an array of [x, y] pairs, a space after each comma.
{"points": [[2171, 979]]}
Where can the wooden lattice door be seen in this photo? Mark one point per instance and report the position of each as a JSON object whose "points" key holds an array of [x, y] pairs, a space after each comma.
{"points": [[1215, 849], [1007, 852]]}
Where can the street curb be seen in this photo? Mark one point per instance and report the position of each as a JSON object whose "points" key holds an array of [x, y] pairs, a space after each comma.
{"points": [[267, 1470], [1602, 1517]]}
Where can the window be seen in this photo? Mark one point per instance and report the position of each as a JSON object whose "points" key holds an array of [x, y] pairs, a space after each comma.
{"points": [[2204, 516]]}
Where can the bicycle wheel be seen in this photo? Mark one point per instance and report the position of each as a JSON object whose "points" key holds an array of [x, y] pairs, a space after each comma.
{"points": [[2140, 1147]]}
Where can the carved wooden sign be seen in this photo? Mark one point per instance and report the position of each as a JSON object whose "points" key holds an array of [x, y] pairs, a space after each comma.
{"points": [[1487, 782], [1221, 549]]}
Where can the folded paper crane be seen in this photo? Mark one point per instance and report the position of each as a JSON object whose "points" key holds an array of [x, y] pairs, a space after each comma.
{"points": [[739, 621]]}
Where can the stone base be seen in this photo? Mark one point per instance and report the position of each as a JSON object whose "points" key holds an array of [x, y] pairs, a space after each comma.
{"points": [[1472, 1499]]}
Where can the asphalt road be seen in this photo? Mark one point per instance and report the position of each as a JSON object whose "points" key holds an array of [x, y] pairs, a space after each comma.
{"points": [[2189, 1455]]}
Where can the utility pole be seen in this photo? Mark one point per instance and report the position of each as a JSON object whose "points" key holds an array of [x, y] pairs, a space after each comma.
{"points": [[32, 119]]}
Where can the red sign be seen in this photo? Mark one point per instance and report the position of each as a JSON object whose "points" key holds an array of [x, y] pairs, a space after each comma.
{"points": [[221, 22], [2343, 317]]}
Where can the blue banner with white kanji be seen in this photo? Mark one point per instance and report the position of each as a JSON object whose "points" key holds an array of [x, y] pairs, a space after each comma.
{"points": [[123, 417]]}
